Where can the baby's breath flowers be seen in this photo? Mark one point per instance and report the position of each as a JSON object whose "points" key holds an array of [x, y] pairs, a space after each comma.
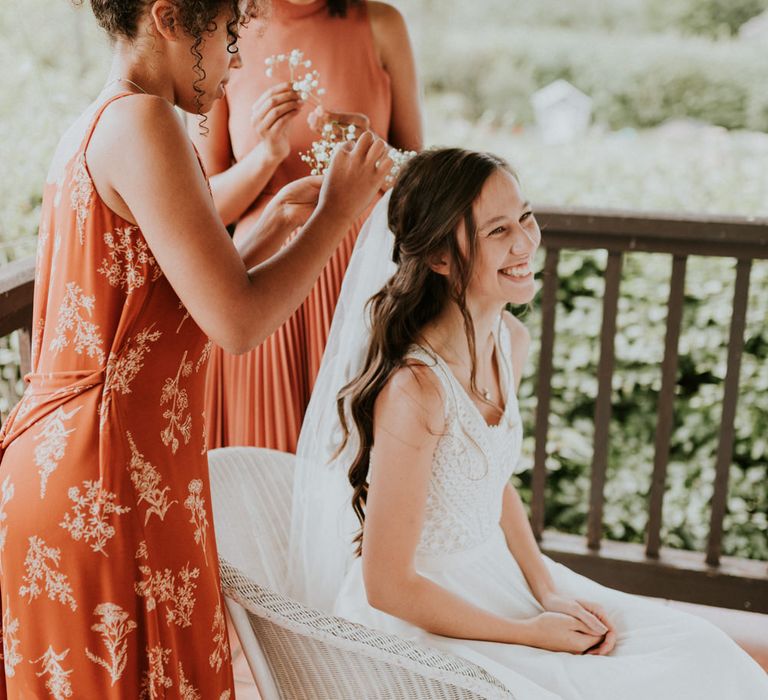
{"points": [[334, 133], [318, 158], [307, 85]]}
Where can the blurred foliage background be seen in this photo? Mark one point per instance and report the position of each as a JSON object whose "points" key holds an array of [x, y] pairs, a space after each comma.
{"points": [[680, 115]]}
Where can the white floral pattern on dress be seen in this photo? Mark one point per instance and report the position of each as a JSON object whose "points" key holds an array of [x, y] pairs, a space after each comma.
{"points": [[53, 437], [186, 690], [129, 260], [90, 514], [177, 592], [122, 368], [154, 680], [226, 695], [86, 334], [146, 480], [37, 340], [114, 628], [11, 655], [176, 414], [41, 564], [220, 652], [58, 683], [7, 490], [81, 195], [195, 503], [205, 355], [184, 317]]}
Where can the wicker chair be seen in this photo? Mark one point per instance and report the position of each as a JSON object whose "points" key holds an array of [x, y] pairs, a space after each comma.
{"points": [[297, 653]]}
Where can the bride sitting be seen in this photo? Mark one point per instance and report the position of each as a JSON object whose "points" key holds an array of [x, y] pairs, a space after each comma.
{"points": [[430, 433]]}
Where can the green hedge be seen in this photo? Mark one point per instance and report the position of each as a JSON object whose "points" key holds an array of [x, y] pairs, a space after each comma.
{"points": [[636, 385], [634, 81]]}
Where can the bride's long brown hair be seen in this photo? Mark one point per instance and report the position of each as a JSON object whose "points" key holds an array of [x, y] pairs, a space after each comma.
{"points": [[433, 195]]}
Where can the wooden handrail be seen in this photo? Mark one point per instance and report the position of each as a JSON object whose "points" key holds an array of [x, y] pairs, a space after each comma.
{"points": [[701, 577]]}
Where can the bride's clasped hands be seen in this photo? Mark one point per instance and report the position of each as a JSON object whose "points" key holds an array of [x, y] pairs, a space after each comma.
{"points": [[576, 626]]}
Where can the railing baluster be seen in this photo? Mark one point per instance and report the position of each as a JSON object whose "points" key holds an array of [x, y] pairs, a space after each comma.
{"points": [[665, 406], [603, 403], [25, 350], [544, 388], [730, 397]]}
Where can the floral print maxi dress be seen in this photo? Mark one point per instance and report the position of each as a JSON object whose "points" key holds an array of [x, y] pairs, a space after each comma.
{"points": [[108, 566]]}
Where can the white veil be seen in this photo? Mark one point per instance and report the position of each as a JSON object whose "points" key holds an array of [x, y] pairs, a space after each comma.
{"points": [[323, 523]]}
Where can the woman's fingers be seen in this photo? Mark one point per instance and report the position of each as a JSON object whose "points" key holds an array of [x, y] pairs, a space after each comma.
{"points": [[596, 616], [280, 113], [267, 103], [590, 620], [606, 646]]}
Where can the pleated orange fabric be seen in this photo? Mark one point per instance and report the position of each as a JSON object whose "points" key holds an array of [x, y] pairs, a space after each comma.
{"points": [[259, 398], [109, 582]]}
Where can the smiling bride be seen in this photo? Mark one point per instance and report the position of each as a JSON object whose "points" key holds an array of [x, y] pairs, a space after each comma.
{"points": [[404, 517]]}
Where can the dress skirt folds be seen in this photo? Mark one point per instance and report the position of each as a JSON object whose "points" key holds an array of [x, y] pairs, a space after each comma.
{"points": [[109, 582], [259, 398]]}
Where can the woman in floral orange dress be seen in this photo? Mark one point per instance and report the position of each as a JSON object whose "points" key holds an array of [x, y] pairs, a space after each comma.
{"points": [[362, 53], [108, 568]]}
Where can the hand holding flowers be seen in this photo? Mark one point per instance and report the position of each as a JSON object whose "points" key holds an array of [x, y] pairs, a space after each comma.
{"points": [[271, 116]]}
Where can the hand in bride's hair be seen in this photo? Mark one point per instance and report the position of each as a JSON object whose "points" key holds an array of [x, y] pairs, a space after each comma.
{"points": [[357, 172]]}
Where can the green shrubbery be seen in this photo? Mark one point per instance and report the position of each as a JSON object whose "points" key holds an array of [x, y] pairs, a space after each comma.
{"points": [[636, 385], [634, 81]]}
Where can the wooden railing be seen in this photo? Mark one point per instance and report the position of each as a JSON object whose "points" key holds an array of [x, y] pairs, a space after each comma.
{"points": [[652, 569]]}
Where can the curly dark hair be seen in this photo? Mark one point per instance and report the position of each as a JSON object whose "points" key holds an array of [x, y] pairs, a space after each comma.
{"points": [[120, 18]]}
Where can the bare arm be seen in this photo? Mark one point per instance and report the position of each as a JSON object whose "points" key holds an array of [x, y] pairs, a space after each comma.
{"points": [[519, 534], [236, 186], [145, 169], [390, 34], [408, 418]]}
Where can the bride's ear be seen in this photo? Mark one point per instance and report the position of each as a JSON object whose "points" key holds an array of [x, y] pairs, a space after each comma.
{"points": [[440, 263]]}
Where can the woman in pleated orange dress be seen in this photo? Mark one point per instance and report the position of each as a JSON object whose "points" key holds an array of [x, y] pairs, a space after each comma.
{"points": [[109, 583], [362, 53]]}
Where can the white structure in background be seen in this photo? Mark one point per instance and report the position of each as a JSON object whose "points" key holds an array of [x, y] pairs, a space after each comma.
{"points": [[755, 28], [562, 111]]}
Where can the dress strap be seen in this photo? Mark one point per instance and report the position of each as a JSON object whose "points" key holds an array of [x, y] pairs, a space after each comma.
{"points": [[92, 126], [444, 375]]}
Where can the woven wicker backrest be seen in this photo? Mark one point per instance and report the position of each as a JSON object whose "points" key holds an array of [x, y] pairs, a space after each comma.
{"points": [[251, 493], [300, 653], [315, 656]]}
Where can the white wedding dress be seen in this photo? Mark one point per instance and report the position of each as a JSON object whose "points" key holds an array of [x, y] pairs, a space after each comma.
{"points": [[660, 653]]}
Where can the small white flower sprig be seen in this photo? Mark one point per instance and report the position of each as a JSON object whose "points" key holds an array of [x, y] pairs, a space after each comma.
{"points": [[334, 134], [308, 85], [319, 157]]}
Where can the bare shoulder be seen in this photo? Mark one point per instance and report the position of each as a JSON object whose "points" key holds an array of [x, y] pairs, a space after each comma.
{"points": [[142, 117], [385, 16], [389, 31], [412, 400]]}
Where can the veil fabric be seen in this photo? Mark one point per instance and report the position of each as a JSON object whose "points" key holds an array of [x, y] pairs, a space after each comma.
{"points": [[323, 524]]}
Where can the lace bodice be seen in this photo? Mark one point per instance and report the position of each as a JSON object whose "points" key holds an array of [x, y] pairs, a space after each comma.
{"points": [[472, 462]]}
